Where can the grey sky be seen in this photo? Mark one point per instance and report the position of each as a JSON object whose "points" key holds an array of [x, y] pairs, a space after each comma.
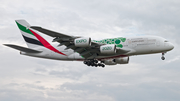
{"points": [[145, 78]]}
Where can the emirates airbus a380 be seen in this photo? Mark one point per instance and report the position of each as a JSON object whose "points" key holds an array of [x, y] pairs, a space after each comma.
{"points": [[110, 51]]}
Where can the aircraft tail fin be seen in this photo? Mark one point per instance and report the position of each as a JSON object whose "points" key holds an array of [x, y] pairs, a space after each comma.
{"points": [[31, 40], [23, 49]]}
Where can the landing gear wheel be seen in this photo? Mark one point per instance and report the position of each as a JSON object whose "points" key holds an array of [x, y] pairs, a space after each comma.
{"points": [[94, 63], [85, 62], [163, 58]]}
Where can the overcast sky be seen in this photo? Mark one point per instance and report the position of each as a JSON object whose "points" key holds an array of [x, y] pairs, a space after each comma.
{"points": [[145, 78]]}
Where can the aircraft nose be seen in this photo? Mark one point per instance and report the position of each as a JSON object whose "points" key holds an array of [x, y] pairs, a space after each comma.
{"points": [[171, 46]]}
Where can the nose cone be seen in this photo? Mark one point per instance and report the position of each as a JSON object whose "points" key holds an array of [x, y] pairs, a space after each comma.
{"points": [[171, 46]]}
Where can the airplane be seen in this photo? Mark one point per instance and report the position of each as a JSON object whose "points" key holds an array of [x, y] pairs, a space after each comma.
{"points": [[110, 51]]}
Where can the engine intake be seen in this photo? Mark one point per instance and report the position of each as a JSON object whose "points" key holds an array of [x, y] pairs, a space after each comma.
{"points": [[82, 42]]}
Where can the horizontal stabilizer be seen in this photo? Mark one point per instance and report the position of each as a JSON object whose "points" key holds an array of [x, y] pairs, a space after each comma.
{"points": [[23, 49]]}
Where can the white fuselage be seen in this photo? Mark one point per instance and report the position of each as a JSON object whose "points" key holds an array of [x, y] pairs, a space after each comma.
{"points": [[136, 45]]}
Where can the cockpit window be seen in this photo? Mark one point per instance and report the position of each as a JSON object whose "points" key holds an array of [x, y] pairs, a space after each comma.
{"points": [[165, 41]]}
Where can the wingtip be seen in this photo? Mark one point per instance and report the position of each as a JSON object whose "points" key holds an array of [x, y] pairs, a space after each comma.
{"points": [[9, 45], [5, 44]]}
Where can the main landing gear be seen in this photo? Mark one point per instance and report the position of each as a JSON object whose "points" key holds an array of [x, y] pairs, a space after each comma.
{"points": [[163, 58], [93, 62]]}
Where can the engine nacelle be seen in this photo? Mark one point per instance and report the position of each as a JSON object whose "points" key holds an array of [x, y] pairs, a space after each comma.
{"points": [[108, 49], [82, 42], [122, 60], [109, 62]]}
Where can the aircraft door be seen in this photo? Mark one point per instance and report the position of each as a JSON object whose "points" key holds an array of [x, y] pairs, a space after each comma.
{"points": [[129, 42]]}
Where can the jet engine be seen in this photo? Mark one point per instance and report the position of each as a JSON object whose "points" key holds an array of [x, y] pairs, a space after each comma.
{"points": [[109, 62], [108, 49], [82, 42], [122, 60]]}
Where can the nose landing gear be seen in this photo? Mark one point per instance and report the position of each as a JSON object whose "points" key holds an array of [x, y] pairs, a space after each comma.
{"points": [[163, 58]]}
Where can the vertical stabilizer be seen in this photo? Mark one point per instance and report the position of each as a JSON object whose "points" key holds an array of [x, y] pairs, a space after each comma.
{"points": [[29, 37]]}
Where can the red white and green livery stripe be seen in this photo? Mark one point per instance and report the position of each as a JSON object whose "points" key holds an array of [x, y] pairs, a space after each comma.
{"points": [[33, 38]]}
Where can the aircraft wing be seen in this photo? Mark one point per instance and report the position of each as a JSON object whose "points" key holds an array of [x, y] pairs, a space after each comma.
{"points": [[50, 33], [87, 52], [23, 49]]}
